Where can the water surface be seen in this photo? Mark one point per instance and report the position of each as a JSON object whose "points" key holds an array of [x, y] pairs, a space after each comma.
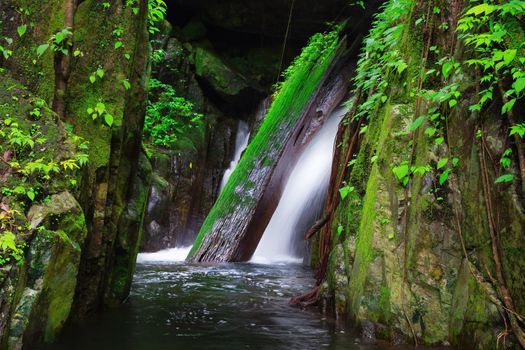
{"points": [[228, 306]]}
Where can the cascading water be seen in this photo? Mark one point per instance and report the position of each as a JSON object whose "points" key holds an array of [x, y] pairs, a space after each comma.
{"points": [[302, 200], [241, 142]]}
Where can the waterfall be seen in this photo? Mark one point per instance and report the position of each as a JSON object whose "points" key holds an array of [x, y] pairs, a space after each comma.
{"points": [[170, 255], [302, 200], [241, 141]]}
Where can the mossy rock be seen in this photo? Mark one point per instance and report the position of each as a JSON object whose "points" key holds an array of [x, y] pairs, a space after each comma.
{"points": [[52, 264], [221, 78]]}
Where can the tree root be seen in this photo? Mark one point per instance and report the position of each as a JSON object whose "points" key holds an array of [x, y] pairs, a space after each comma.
{"points": [[307, 299], [517, 139], [499, 281], [316, 227]]}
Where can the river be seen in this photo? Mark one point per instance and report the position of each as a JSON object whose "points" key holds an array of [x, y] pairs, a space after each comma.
{"points": [[228, 306]]}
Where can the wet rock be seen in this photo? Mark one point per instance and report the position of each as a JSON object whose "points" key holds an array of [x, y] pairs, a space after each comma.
{"points": [[50, 271]]}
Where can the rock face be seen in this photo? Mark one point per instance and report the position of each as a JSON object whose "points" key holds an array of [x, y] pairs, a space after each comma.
{"points": [[410, 255], [235, 224], [42, 305], [220, 58], [83, 256], [187, 177]]}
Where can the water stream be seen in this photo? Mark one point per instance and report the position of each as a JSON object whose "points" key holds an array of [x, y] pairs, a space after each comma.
{"points": [[226, 306], [241, 142], [302, 200]]}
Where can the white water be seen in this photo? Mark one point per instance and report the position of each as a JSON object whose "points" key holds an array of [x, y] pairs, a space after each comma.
{"points": [[164, 256], [241, 142], [302, 200]]}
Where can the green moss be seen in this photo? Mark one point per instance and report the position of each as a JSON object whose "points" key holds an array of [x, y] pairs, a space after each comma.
{"points": [[285, 111]]}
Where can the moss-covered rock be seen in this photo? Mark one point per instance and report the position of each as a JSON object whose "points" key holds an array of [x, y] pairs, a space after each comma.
{"points": [[222, 78], [51, 269], [409, 275], [106, 190]]}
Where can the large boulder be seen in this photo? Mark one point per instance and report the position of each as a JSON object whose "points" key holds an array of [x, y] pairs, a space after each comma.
{"points": [[48, 278]]}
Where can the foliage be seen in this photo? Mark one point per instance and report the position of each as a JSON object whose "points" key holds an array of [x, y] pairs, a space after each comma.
{"points": [[156, 12], [168, 116], [489, 30], [318, 45], [6, 53], [100, 111], [381, 55], [30, 169], [58, 42]]}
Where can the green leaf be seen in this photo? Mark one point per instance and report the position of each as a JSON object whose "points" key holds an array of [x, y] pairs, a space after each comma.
{"points": [[430, 131], [19, 190], [100, 72], [21, 30], [401, 171], [118, 44], [439, 141], [475, 108], [8, 241], [482, 8], [417, 123], [41, 49], [507, 107], [401, 66], [452, 103], [519, 85], [340, 230], [442, 163], [92, 79], [31, 195], [59, 37], [108, 118], [518, 129], [455, 161], [447, 67], [505, 162], [77, 53], [505, 178], [90, 111], [100, 108], [444, 177], [508, 56], [126, 84], [345, 191]]}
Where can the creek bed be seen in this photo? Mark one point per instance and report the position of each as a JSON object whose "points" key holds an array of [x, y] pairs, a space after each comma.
{"points": [[228, 306]]}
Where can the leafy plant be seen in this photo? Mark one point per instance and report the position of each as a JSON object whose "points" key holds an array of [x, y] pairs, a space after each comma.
{"points": [[58, 42], [100, 111], [168, 116], [31, 175]]}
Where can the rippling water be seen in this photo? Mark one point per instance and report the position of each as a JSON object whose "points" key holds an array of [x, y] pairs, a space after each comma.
{"points": [[229, 306]]}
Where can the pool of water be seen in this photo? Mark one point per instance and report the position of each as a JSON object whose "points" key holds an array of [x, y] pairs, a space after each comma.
{"points": [[229, 306]]}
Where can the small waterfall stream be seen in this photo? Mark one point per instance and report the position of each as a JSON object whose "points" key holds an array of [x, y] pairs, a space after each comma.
{"points": [[241, 142], [302, 200]]}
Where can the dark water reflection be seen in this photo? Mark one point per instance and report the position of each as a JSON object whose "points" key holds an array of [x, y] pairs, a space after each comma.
{"points": [[230, 306]]}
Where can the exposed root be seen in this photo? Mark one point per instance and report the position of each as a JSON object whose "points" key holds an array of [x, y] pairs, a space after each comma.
{"points": [[306, 299], [316, 227], [517, 139], [501, 286]]}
